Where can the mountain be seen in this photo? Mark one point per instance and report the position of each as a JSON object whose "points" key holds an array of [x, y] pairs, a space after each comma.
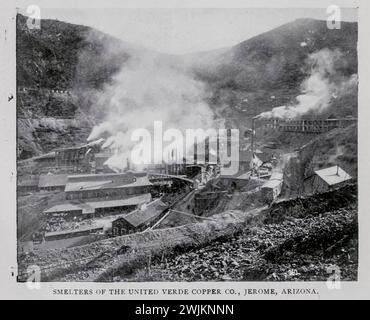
{"points": [[266, 71], [62, 68]]}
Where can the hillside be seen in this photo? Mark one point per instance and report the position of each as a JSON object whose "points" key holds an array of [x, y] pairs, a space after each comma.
{"points": [[292, 240], [64, 56], [256, 75], [60, 70], [266, 71]]}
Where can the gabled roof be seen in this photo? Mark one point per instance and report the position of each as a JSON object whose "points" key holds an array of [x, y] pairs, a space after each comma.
{"points": [[52, 180], [139, 217], [333, 175]]}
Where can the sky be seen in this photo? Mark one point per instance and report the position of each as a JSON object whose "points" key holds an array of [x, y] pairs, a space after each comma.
{"points": [[180, 31]]}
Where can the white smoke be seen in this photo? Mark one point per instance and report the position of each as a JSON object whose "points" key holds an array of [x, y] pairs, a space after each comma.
{"points": [[145, 91], [319, 88]]}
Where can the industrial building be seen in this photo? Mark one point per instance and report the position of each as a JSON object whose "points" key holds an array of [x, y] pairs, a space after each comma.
{"points": [[90, 209], [107, 186], [324, 180], [63, 234], [28, 183], [52, 182], [98, 163], [313, 126], [139, 219], [101, 194], [45, 160], [271, 189], [75, 157]]}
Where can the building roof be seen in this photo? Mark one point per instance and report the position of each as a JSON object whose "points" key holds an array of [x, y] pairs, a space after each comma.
{"points": [[87, 207], [275, 180], [70, 148], [271, 184], [244, 176], [64, 207], [52, 180], [104, 155], [333, 175], [50, 155], [70, 231], [241, 175], [141, 216], [106, 181], [132, 201], [82, 146], [32, 181]]}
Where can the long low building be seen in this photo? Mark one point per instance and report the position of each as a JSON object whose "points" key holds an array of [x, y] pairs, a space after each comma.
{"points": [[52, 182], [139, 219], [63, 234], [108, 186], [28, 184], [90, 209]]}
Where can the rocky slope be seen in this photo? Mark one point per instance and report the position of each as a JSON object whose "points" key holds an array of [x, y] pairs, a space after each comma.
{"points": [[300, 244], [60, 69], [267, 70]]}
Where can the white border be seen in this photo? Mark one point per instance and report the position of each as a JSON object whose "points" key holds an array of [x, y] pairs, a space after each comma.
{"points": [[10, 289]]}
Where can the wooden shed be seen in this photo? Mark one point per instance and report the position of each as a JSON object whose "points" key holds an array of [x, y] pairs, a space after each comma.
{"points": [[139, 219]]}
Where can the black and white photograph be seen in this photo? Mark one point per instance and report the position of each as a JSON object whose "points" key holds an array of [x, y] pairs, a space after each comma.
{"points": [[187, 144]]}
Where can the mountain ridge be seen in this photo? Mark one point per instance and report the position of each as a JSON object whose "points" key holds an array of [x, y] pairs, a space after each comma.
{"points": [[244, 80]]}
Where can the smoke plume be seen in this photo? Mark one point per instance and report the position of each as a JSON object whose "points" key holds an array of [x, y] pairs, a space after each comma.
{"points": [[144, 91], [324, 83]]}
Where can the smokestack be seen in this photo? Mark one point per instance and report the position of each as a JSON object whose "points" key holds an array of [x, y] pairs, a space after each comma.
{"points": [[253, 133]]}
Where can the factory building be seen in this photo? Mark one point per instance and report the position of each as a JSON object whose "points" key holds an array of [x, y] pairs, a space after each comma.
{"points": [[326, 179], [45, 160], [52, 182], [234, 182], [78, 157], [272, 188], [139, 219], [63, 234], [94, 195], [98, 163], [107, 186], [28, 184], [75, 157], [310, 126], [91, 209]]}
